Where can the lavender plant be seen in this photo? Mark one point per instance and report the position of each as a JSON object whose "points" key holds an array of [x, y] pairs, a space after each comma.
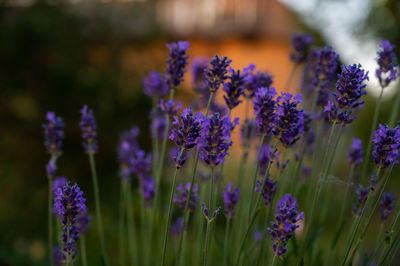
{"points": [[289, 142]]}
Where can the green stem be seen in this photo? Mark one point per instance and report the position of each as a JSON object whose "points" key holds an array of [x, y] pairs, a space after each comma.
{"points": [[208, 232], [343, 208], [122, 224], [131, 224], [373, 126], [182, 237], [171, 196], [254, 213], [369, 220], [320, 182], [83, 250], [357, 225], [395, 109], [199, 226], [50, 220], [97, 206], [226, 240], [255, 175], [206, 242], [378, 242]]}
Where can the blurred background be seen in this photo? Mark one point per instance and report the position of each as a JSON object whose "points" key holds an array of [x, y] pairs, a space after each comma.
{"points": [[58, 55]]}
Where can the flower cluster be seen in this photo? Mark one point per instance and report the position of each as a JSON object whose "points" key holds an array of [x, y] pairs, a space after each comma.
{"points": [[186, 130], [267, 155], [264, 109], [268, 191], [386, 146], [325, 70], [286, 218], [88, 128], [176, 63], [53, 133], [349, 89], [356, 153], [362, 195], [247, 130], [216, 74], [289, 123], [255, 80], [176, 226], [170, 107], [231, 198], [301, 44], [147, 188], [234, 88], [388, 69], [214, 139], [155, 85], [127, 149], [180, 197], [387, 205], [309, 79], [199, 82], [158, 124], [206, 213], [69, 204]]}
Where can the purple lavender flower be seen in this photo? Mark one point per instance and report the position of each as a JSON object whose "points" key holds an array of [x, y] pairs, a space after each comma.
{"points": [[361, 198], [247, 131], [386, 141], [281, 230], [255, 80], [268, 191], [388, 68], [59, 182], [199, 82], [289, 123], [257, 235], [309, 80], [51, 168], [177, 160], [186, 130], [350, 86], [301, 43], [69, 203], [147, 188], [176, 63], [234, 88], [387, 205], [53, 133], [58, 256], [216, 74], [88, 128], [264, 109], [214, 139], [349, 89], [356, 152], [206, 213], [155, 85], [181, 195], [140, 164], [170, 107], [267, 153], [176, 226], [83, 223], [218, 108], [158, 124], [231, 198], [325, 70], [127, 149]]}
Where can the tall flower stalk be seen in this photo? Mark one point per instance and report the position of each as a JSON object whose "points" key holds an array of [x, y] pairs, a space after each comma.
{"points": [[54, 137], [89, 135], [387, 71]]}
